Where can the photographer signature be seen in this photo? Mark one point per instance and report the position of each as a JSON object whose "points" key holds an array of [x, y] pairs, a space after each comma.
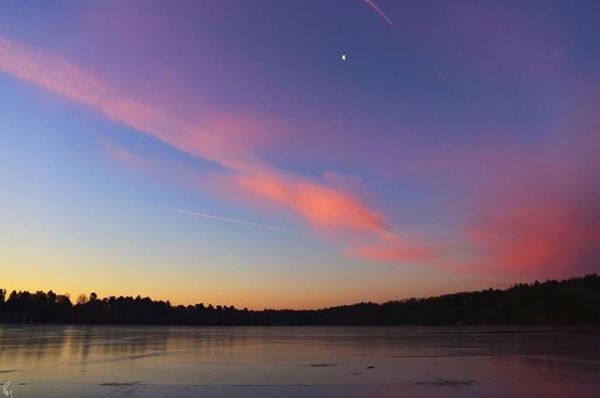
{"points": [[6, 390]]}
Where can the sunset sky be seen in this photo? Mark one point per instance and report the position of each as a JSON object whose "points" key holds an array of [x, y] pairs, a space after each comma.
{"points": [[224, 151]]}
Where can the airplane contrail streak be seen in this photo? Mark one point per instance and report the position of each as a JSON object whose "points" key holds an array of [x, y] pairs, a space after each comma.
{"points": [[379, 11], [232, 220]]}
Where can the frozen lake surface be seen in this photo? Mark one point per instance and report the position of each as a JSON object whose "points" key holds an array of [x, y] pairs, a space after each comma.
{"points": [[127, 361]]}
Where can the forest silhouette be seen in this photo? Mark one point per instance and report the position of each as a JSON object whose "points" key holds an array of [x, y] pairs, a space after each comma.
{"points": [[571, 301]]}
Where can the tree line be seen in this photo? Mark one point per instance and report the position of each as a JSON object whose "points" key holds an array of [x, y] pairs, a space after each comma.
{"points": [[570, 301]]}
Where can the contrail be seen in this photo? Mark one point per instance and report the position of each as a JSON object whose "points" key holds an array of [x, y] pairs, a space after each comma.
{"points": [[379, 11], [233, 220]]}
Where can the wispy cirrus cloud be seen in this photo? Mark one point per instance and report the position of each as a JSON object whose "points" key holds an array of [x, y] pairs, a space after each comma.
{"points": [[552, 227], [323, 206], [122, 156]]}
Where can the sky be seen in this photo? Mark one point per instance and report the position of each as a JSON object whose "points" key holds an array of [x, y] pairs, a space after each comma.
{"points": [[297, 154]]}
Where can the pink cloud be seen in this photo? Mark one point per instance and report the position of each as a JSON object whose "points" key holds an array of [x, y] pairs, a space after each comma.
{"points": [[223, 140], [524, 206], [539, 213], [209, 141], [547, 235], [322, 206]]}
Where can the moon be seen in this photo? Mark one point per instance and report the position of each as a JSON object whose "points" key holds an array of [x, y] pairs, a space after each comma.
{"points": [[344, 57]]}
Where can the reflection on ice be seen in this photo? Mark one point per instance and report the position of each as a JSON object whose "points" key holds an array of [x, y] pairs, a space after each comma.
{"points": [[73, 361]]}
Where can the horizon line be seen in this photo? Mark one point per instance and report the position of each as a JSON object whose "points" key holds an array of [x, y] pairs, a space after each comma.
{"points": [[510, 286]]}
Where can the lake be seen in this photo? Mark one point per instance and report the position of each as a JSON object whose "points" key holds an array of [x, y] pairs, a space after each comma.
{"points": [[154, 361]]}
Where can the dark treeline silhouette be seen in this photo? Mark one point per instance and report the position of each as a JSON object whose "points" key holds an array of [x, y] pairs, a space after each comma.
{"points": [[570, 301]]}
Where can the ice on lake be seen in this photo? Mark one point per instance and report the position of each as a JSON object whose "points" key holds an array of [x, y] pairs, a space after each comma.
{"points": [[116, 361]]}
